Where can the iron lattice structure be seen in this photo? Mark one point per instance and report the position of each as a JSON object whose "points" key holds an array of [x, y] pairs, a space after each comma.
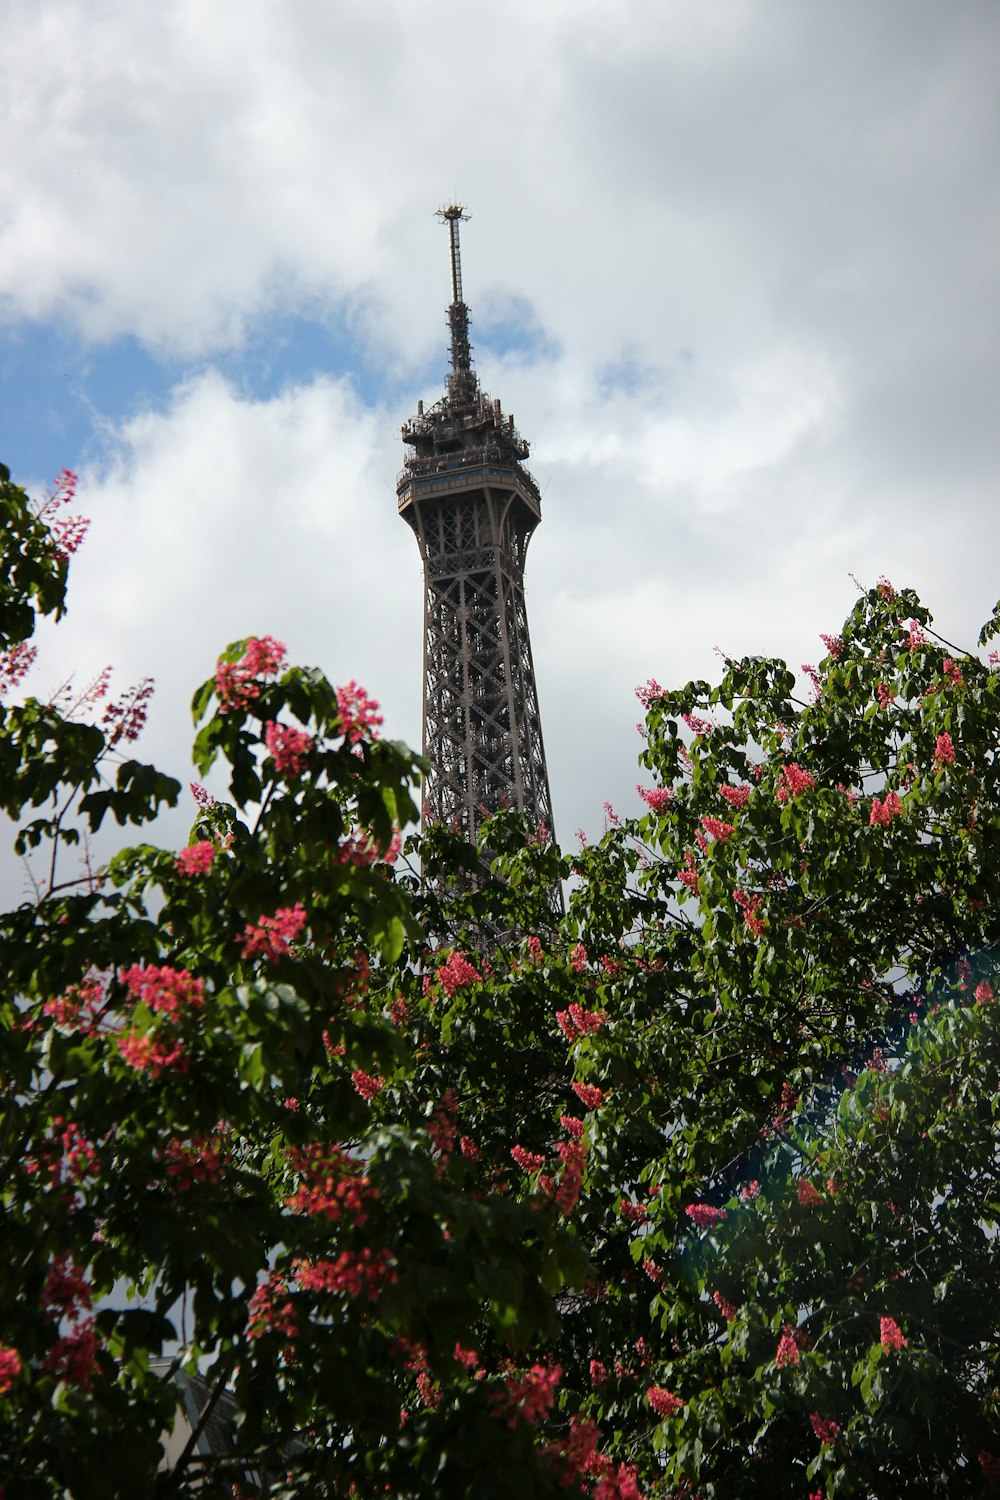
{"points": [[473, 506]]}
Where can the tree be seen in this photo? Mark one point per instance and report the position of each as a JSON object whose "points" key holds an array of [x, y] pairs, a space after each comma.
{"points": [[691, 1192]]}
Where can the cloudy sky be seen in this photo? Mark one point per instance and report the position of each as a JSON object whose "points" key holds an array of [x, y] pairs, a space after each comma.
{"points": [[733, 265]]}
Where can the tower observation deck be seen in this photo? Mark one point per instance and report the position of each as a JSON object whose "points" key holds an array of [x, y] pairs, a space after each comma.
{"points": [[473, 506]]}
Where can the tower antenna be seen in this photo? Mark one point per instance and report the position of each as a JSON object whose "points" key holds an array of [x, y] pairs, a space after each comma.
{"points": [[458, 314], [454, 215]]}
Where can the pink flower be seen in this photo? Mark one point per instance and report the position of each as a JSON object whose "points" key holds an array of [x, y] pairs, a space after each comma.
{"points": [[167, 991], [649, 694], [704, 1215], [788, 1348], [528, 1161], [882, 812], [689, 875], [237, 683], [359, 714], [795, 781], [531, 1397], [825, 1430], [916, 637], [891, 1334], [663, 1402], [944, 750], [288, 747], [984, 991], [717, 828], [366, 1084], [271, 1311], [147, 1054], [332, 1186], [196, 859], [66, 1291], [535, 949], [576, 1022], [457, 971], [199, 1160], [952, 672], [697, 724], [657, 798], [589, 1095], [807, 1194], [351, 1274], [748, 1193], [598, 1374], [271, 937], [10, 1368], [750, 906], [736, 796], [834, 645], [724, 1305], [578, 959], [72, 1358]]}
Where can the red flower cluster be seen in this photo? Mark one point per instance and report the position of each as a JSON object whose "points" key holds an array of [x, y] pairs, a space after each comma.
{"points": [[359, 714], [201, 1159], [237, 683], [882, 812], [944, 750], [890, 1334], [528, 1161], [147, 1054], [689, 875], [578, 959], [834, 645], [825, 1430], [794, 781], [697, 724], [717, 828], [589, 1095], [366, 1084], [168, 992], [10, 1368], [271, 1310], [750, 907], [705, 1215], [72, 1357], [657, 798], [807, 1194], [724, 1305], [456, 971], [663, 1402], [271, 937], [287, 747], [576, 1022], [66, 1292], [788, 1347], [530, 1398], [126, 719], [196, 859], [352, 1274], [649, 694], [332, 1187], [736, 796]]}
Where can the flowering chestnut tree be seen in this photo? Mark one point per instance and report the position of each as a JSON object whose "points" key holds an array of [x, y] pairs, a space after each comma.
{"points": [[691, 1191]]}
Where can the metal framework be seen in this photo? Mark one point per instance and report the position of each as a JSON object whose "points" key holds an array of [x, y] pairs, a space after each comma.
{"points": [[472, 506]]}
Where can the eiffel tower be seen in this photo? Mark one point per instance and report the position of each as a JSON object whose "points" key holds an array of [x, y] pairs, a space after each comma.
{"points": [[473, 506]]}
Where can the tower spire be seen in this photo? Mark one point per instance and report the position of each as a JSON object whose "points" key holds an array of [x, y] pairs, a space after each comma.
{"points": [[458, 313], [473, 506]]}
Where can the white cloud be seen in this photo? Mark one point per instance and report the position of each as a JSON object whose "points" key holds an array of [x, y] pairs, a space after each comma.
{"points": [[758, 242]]}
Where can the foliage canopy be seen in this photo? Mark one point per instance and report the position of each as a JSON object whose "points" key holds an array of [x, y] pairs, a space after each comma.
{"points": [[692, 1191]]}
